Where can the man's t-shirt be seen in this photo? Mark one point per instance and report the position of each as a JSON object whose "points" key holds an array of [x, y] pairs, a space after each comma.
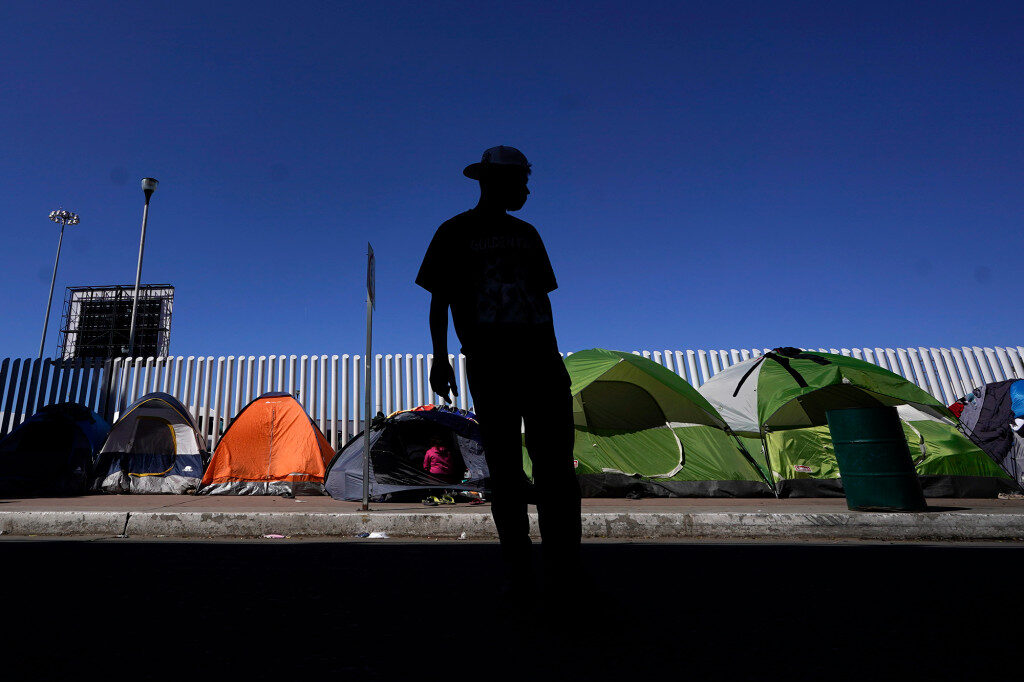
{"points": [[496, 276]]}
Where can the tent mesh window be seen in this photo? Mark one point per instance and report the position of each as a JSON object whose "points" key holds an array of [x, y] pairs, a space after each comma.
{"points": [[620, 406], [811, 408], [154, 436]]}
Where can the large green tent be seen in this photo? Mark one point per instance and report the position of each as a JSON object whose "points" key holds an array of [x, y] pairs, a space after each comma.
{"points": [[643, 430], [781, 398]]}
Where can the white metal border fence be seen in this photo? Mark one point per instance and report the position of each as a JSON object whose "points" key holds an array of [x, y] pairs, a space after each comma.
{"points": [[328, 386]]}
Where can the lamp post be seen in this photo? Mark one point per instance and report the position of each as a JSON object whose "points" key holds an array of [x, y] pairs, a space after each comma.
{"points": [[64, 218], [148, 187]]}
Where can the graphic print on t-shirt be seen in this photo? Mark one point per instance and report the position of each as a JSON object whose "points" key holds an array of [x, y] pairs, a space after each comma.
{"points": [[507, 294]]}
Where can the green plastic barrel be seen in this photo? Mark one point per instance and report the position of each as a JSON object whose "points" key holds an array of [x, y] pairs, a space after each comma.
{"points": [[874, 460]]}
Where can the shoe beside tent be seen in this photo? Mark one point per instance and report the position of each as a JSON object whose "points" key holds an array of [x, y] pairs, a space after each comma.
{"points": [[271, 448], [155, 447], [642, 430], [781, 399], [397, 447], [988, 416], [52, 452]]}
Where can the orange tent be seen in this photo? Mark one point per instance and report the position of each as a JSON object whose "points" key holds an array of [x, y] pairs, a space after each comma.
{"points": [[271, 448]]}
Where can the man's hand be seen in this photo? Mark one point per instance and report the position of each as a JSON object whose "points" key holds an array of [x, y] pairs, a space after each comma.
{"points": [[442, 378]]}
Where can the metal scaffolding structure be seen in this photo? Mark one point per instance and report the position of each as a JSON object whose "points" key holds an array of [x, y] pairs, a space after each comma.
{"points": [[97, 321]]}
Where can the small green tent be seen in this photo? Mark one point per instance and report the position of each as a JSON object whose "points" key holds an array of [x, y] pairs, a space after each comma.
{"points": [[781, 398], [643, 430]]}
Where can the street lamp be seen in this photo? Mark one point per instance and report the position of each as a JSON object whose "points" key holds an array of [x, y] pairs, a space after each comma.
{"points": [[63, 218], [148, 187]]}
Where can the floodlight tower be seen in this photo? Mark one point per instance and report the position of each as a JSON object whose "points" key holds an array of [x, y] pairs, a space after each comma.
{"points": [[63, 218], [148, 187]]}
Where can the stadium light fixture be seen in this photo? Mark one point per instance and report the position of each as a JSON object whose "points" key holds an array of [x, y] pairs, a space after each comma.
{"points": [[62, 218]]}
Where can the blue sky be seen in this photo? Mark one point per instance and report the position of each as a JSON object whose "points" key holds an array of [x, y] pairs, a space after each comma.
{"points": [[706, 175]]}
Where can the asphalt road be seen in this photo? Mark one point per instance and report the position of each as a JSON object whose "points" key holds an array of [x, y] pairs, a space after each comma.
{"points": [[371, 609]]}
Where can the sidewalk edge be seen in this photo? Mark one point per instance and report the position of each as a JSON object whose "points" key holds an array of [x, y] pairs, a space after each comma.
{"points": [[935, 526]]}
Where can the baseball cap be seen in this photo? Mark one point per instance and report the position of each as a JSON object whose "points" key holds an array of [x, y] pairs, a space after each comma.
{"points": [[497, 156]]}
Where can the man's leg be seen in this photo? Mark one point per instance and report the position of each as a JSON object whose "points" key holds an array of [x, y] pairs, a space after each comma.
{"points": [[549, 442], [500, 419]]}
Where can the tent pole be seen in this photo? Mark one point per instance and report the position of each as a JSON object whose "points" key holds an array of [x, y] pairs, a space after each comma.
{"points": [[367, 415], [768, 462], [750, 459], [371, 268]]}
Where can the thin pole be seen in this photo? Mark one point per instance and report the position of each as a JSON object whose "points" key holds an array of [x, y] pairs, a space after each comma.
{"points": [[367, 415], [768, 461], [138, 278], [46, 320]]}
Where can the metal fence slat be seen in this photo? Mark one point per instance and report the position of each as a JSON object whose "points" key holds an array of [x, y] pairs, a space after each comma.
{"points": [[1015, 360], [322, 398], [953, 373], [986, 371], [44, 380], [1004, 362], [12, 391], [334, 402], [919, 377], [3, 391], [948, 395], [19, 403], [997, 371]]}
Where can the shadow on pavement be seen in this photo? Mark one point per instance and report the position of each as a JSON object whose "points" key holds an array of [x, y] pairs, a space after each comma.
{"points": [[367, 611]]}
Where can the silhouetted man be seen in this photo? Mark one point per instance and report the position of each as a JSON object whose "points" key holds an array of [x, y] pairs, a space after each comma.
{"points": [[491, 269]]}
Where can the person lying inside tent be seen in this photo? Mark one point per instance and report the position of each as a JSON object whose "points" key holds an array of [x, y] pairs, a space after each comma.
{"points": [[440, 462]]}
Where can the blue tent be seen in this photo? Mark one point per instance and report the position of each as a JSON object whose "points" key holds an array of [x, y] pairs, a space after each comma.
{"points": [[397, 447], [53, 452], [155, 447]]}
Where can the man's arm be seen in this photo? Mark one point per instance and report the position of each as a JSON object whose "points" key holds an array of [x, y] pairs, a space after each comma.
{"points": [[442, 376]]}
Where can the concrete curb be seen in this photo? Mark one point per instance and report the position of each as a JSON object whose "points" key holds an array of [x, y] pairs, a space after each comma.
{"points": [[946, 526], [934, 526], [63, 522]]}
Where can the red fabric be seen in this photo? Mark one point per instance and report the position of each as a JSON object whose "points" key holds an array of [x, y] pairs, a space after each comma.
{"points": [[957, 408], [438, 461]]}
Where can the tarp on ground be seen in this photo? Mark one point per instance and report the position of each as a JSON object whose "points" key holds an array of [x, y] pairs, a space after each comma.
{"points": [[271, 448], [782, 398], [155, 448], [53, 452], [398, 444], [642, 430]]}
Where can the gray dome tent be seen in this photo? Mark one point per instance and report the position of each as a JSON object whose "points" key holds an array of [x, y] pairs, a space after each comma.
{"points": [[155, 447], [397, 446]]}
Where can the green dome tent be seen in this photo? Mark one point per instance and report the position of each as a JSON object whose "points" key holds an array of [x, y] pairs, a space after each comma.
{"points": [[643, 430], [781, 398]]}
